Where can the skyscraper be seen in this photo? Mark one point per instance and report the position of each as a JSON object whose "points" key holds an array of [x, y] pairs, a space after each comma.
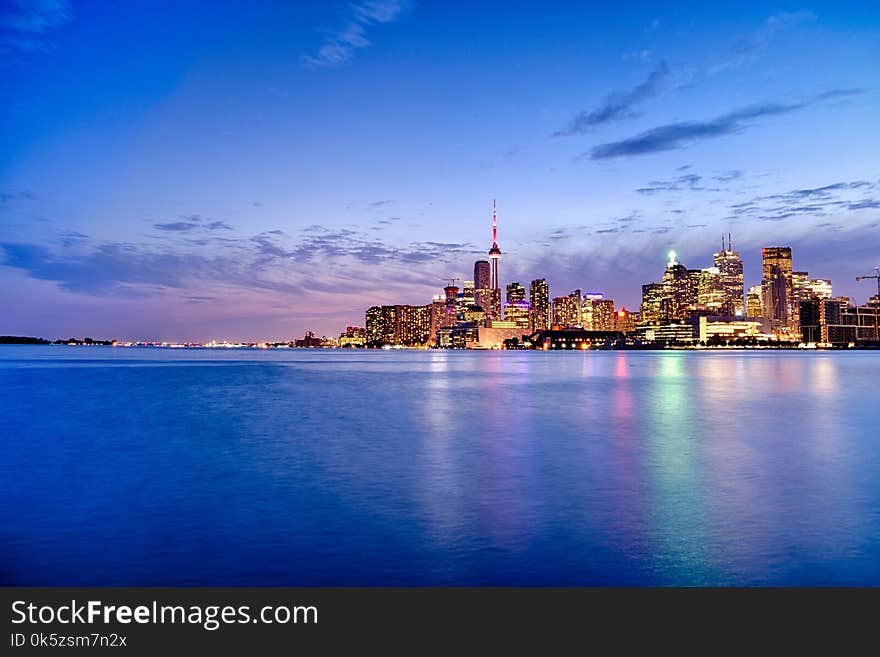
{"points": [[711, 295], [730, 268], [680, 289], [539, 299], [776, 287], [494, 257], [483, 284], [652, 308]]}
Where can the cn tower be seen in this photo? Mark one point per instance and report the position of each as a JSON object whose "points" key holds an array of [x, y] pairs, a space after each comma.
{"points": [[494, 256]]}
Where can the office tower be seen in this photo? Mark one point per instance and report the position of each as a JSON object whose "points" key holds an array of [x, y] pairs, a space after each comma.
{"points": [[652, 303], [483, 284], [494, 257], [539, 300], [730, 268], [680, 290], [754, 303], [515, 292], [776, 287], [711, 295]]}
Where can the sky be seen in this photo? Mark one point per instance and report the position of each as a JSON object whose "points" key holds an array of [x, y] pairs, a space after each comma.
{"points": [[252, 170]]}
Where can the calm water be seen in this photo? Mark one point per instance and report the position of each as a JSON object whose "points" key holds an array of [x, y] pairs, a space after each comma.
{"points": [[294, 467]]}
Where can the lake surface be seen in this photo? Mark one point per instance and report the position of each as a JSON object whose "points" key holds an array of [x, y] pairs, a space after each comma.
{"points": [[309, 467]]}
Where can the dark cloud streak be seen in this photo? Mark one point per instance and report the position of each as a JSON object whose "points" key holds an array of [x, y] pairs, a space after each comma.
{"points": [[617, 106]]}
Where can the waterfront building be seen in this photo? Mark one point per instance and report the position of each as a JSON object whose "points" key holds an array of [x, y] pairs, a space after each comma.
{"points": [[375, 326], [399, 325], [834, 321], [571, 339], [539, 301], [494, 337], [353, 337], [667, 332], [725, 329]]}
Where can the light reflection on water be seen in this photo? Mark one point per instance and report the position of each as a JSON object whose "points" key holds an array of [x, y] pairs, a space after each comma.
{"points": [[134, 466]]}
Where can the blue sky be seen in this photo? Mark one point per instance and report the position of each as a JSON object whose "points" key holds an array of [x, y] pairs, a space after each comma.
{"points": [[247, 170]]}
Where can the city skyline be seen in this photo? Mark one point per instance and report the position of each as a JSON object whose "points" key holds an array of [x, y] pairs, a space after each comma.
{"points": [[265, 170]]}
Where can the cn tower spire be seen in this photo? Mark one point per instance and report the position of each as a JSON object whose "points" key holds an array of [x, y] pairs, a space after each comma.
{"points": [[494, 255]]}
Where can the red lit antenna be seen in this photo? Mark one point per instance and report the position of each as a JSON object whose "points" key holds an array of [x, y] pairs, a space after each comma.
{"points": [[494, 224]]}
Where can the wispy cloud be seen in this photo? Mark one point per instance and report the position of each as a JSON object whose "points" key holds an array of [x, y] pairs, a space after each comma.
{"points": [[747, 48], [618, 105], [192, 223], [850, 196], [23, 195], [676, 136], [340, 46], [270, 262], [688, 182], [25, 24]]}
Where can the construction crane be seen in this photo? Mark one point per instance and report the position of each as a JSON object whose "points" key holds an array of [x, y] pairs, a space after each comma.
{"points": [[875, 275]]}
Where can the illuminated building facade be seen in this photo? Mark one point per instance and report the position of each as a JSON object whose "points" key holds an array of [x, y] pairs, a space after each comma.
{"points": [[515, 292], [776, 288], [539, 300], [711, 294], [652, 310], [375, 326], [353, 337], [625, 321], [754, 302], [679, 290], [518, 312], [730, 269], [483, 284], [598, 313], [398, 325], [567, 310]]}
